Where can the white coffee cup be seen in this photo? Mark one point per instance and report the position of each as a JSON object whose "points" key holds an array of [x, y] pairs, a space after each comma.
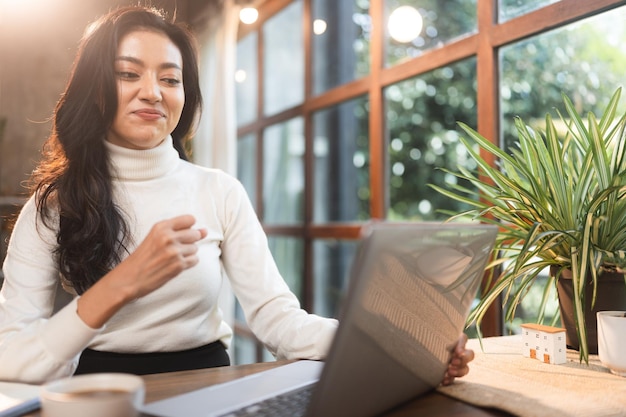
{"points": [[612, 340], [93, 395]]}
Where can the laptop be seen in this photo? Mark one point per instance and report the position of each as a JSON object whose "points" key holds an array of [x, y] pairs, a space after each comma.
{"points": [[410, 289]]}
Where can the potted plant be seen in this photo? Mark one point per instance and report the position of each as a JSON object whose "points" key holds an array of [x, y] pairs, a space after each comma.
{"points": [[559, 199]]}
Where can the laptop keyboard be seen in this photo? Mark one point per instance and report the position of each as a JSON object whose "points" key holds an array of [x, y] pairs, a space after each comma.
{"points": [[289, 404]]}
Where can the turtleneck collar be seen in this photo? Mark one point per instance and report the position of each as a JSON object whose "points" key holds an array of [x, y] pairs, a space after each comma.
{"points": [[141, 165]]}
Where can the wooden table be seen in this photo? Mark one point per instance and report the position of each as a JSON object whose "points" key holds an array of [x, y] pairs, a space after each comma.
{"points": [[160, 386], [434, 404]]}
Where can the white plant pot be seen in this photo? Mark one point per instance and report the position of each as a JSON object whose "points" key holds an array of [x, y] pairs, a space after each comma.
{"points": [[612, 340]]}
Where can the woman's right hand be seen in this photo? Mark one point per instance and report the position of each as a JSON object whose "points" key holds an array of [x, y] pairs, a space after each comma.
{"points": [[168, 249]]}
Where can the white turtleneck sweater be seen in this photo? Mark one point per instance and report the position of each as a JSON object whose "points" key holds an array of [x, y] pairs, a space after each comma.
{"points": [[38, 344]]}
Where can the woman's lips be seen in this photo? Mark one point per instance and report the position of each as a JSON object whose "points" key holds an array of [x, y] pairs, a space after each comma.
{"points": [[149, 114]]}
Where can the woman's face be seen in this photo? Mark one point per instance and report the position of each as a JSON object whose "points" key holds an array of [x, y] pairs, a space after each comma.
{"points": [[148, 68]]}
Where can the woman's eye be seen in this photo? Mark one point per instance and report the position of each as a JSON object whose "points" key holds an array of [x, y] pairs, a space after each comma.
{"points": [[126, 75], [171, 81]]}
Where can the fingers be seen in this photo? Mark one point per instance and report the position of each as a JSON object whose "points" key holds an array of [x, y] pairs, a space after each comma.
{"points": [[184, 221], [170, 247], [460, 345], [455, 371], [468, 355], [178, 239], [187, 236], [447, 379], [182, 225], [458, 366], [177, 230]]}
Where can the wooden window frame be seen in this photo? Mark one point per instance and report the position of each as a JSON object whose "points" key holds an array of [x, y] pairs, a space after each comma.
{"points": [[484, 45]]}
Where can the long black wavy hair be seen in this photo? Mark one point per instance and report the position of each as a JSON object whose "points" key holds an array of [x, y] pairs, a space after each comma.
{"points": [[73, 178]]}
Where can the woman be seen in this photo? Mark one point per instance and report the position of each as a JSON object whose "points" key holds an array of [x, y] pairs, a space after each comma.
{"points": [[138, 235]]}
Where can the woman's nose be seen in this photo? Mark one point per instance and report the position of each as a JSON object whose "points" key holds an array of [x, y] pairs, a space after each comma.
{"points": [[150, 90]]}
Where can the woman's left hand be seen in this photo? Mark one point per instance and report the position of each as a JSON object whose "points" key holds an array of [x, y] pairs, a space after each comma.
{"points": [[458, 365]]}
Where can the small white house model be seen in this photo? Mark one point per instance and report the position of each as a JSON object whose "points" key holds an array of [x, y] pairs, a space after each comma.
{"points": [[545, 343]]}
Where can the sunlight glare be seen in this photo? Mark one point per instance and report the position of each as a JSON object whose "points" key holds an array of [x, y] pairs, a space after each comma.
{"points": [[405, 24], [248, 15]]}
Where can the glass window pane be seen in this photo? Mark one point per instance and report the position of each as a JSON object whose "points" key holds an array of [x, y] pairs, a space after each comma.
{"points": [[283, 172], [341, 42], [244, 350], [526, 311], [333, 259], [414, 26], [341, 149], [267, 356], [584, 60], [246, 164], [422, 115], [509, 9], [283, 43], [239, 315], [288, 254], [246, 79]]}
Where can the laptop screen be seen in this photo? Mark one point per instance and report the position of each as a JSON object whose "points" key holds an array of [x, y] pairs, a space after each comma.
{"points": [[411, 288]]}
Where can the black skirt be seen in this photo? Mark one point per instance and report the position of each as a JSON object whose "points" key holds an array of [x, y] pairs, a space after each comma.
{"points": [[208, 356]]}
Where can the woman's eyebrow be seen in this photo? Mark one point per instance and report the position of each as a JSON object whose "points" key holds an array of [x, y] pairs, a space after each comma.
{"points": [[138, 61]]}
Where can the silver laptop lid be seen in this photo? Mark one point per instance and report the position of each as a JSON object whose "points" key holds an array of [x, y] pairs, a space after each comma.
{"points": [[411, 288]]}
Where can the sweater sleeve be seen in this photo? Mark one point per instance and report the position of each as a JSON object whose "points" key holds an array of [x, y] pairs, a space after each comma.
{"points": [[272, 311], [35, 345]]}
